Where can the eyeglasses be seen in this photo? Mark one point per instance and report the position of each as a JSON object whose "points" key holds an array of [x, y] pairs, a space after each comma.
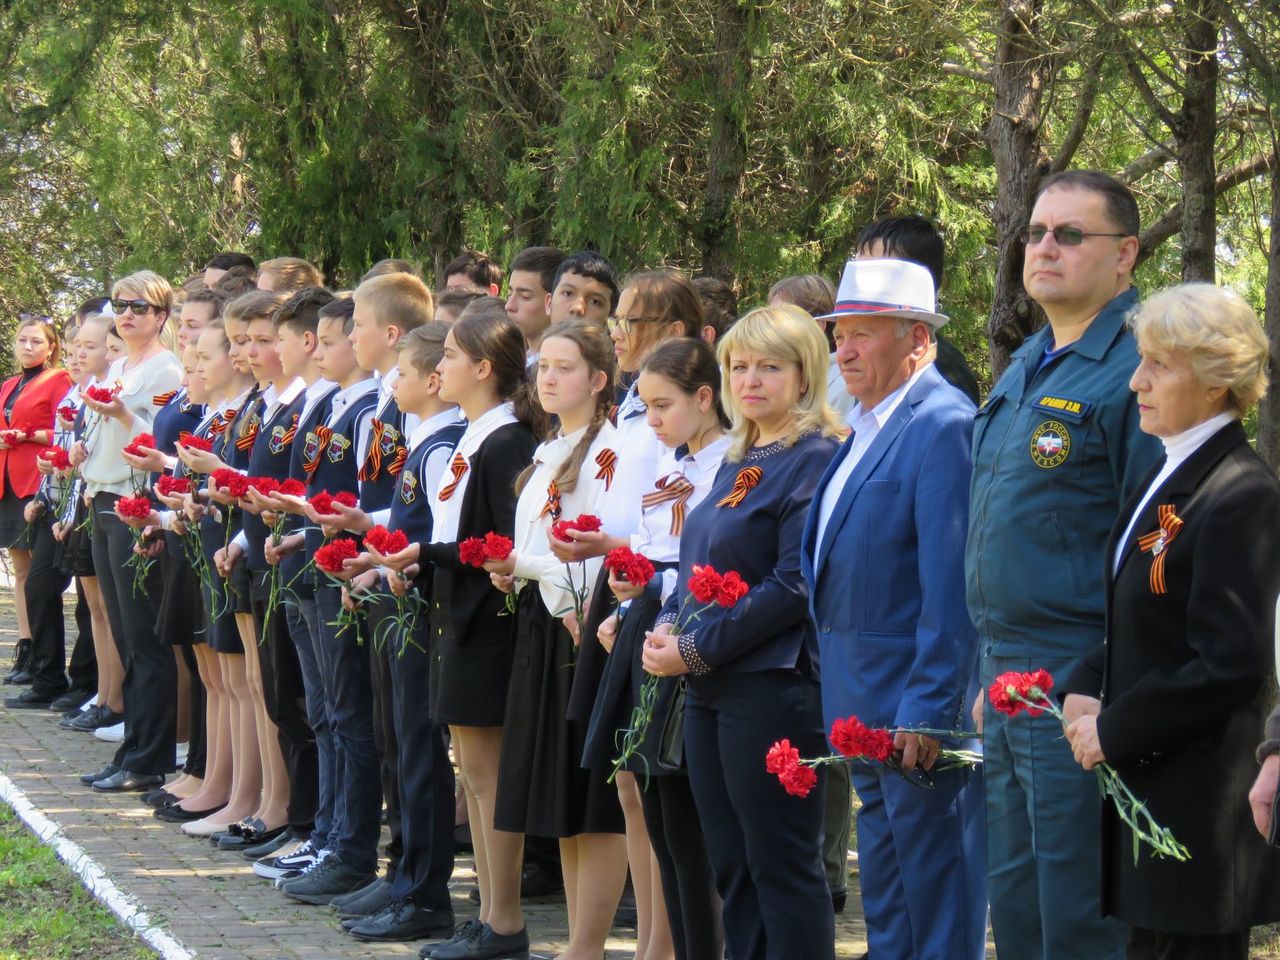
{"points": [[623, 324], [139, 307], [1062, 236]]}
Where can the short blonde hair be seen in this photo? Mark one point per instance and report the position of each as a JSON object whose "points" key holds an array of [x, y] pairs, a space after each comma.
{"points": [[292, 273], [788, 334], [397, 300], [152, 287], [1219, 334]]}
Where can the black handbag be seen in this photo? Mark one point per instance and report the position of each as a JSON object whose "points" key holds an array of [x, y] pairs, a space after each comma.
{"points": [[671, 742]]}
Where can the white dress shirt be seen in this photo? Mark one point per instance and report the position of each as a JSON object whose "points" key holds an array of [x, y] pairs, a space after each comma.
{"points": [[445, 514], [534, 559], [1176, 451], [639, 452], [867, 425]]}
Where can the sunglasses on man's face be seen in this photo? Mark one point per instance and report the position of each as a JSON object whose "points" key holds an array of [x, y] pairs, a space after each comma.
{"points": [[1062, 236], [139, 307]]}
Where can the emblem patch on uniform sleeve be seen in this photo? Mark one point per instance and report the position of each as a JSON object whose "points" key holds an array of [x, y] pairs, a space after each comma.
{"points": [[1050, 444], [337, 450], [408, 487]]}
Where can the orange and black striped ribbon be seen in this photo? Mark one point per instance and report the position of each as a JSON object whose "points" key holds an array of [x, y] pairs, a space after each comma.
{"points": [[184, 436], [373, 459], [249, 434], [613, 414], [396, 465], [608, 461], [1157, 544], [457, 466], [218, 427], [290, 433], [677, 488], [747, 478], [323, 436], [552, 507], [160, 399]]}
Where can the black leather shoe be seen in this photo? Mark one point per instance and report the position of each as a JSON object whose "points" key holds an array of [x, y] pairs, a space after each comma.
{"points": [[537, 881], [123, 781], [89, 779], [71, 700], [403, 921], [479, 942], [29, 700], [369, 901], [177, 814], [839, 899], [19, 678], [332, 878]]}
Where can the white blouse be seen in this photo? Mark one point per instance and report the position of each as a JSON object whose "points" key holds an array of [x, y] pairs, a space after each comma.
{"points": [[638, 454], [104, 470], [534, 559], [447, 514], [659, 534]]}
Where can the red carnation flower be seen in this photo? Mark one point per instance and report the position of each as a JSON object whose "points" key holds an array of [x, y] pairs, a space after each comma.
{"points": [[101, 394], [783, 761], [293, 488], [196, 443], [134, 449], [853, 738], [323, 502], [559, 528], [67, 411], [471, 551], [264, 485], [329, 557], [11, 437], [586, 522], [633, 567], [168, 486], [732, 589], [497, 547], [705, 584], [136, 507], [58, 458], [386, 541], [1009, 690], [236, 483]]}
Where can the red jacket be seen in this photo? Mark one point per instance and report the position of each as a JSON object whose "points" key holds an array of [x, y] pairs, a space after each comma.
{"points": [[34, 410]]}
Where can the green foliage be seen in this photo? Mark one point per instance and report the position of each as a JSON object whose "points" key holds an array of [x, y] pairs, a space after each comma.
{"points": [[146, 134]]}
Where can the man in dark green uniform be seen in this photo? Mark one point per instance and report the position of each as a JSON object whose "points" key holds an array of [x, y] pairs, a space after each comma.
{"points": [[1057, 450]]}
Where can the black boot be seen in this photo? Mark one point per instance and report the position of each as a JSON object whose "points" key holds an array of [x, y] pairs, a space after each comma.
{"points": [[21, 663]]}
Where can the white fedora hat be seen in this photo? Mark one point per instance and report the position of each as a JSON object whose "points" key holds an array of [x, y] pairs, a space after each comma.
{"points": [[891, 288]]}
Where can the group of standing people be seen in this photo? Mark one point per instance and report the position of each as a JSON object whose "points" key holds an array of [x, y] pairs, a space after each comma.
{"points": [[384, 533]]}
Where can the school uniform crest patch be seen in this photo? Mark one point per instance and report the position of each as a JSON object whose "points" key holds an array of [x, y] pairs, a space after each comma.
{"points": [[408, 487], [337, 449]]}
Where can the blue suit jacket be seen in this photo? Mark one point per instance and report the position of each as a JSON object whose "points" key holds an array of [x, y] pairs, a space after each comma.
{"points": [[887, 584]]}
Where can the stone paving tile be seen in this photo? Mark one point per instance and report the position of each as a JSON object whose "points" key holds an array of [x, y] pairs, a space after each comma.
{"points": [[210, 900]]}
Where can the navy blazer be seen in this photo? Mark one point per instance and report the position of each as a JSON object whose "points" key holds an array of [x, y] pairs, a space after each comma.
{"points": [[886, 585]]}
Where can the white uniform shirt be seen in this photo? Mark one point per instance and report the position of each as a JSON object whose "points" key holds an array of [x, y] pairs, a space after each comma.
{"points": [[445, 514]]}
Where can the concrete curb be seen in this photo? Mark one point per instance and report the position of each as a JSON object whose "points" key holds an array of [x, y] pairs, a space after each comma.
{"points": [[93, 877]]}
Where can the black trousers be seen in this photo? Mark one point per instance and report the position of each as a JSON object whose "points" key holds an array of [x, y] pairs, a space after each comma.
{"points": [[286, 703], [150, 671], [688, 882], [425, 807], [83, 667], [45, 583], [385, 645], [1157, 945], [765, 845]]}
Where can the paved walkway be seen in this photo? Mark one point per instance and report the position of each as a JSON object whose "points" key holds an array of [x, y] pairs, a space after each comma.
{"points": [[210, 900]]}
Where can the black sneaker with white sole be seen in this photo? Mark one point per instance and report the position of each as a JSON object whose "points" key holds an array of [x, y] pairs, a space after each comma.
{"points": [[331, 878], [291, 864]]}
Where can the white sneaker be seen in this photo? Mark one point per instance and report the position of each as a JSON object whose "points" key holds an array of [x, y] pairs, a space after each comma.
{"points": [[91, 702], [112, 734]]}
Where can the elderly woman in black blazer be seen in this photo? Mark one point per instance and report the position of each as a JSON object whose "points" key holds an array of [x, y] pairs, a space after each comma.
{"points": [[1174, 699]]}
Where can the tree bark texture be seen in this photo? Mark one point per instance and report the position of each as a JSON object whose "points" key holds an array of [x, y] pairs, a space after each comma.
{"points": [[1195, 131]]}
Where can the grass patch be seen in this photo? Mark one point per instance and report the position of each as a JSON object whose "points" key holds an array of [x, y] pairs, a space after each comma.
{"points": [[45, 914]]}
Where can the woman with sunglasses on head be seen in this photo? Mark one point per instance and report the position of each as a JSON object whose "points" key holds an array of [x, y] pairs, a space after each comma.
{"points": [[141, 302], [27, 404]]}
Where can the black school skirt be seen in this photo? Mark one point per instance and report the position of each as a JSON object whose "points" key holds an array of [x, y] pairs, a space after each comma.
{"points": [[543, 789]]}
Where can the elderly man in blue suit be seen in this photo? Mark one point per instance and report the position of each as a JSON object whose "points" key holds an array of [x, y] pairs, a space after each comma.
{"points": [[884, 561]]}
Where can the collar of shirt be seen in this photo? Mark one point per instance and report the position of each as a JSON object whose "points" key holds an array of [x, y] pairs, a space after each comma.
{"points": [[555, 452], [386, 381], [631, 405], [315, 393], [693, 465], [874, 419], [484, 425], [433, 424], [1182, 445], [348, 395]]}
